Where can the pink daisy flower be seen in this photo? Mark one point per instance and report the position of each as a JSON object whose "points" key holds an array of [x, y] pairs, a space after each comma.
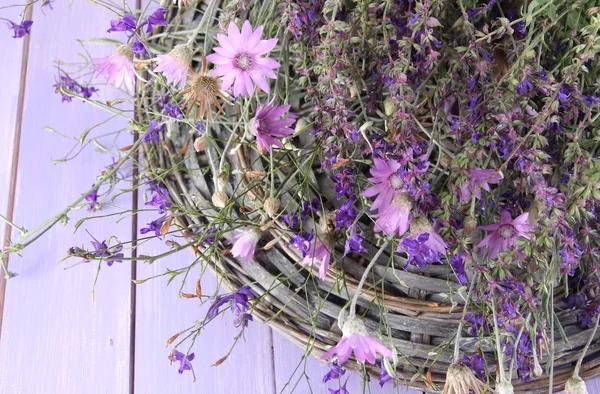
{"points": [[320, 254], [118, 68], [421, 225], [387, 181], [505, 233], [396, 216], [356, 339], [478, 179], [268, 125], [175, 65], [239, 59], [245, 244]]}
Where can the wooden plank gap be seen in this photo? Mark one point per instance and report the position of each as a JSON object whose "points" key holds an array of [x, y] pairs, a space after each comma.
{"points": [[272, 345], [15, 159]]}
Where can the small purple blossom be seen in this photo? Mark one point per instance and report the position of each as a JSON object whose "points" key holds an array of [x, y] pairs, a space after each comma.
{"points": [[590, 100], [302, 242], [92, 197], [478, 179], [159, 198], [155, 226], [477, 365], [271, 124], [139, 48], [524, 87], [458, 265], [335, 372], [157, 19], [354, 242], [341, 390], [153, 132], [110, 255], [239, 305], [19, 30], [184, 361], [319, 254], [345, 215], [126, 23]]}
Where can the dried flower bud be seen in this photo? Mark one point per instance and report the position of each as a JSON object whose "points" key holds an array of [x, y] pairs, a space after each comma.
{"points": [[221, 182], [271, 206], [504, 387], [460, 379], [353, 91], [220, 199], [389, 106], [469, 224], [327, 223], [200, 144], [575, 385], [302, 125]]}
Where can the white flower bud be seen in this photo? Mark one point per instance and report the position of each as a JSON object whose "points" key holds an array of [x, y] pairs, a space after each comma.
{"points": [[220, 199], [271, 206], [200, 144]]}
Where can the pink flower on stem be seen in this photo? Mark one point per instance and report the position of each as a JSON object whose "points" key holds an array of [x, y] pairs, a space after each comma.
{"points": [[356, 339], [505, 233], [388, 182], [118, 68], [245, 244], [395, 216], [269, 125], [318, 253], [239, 59], [175, 65], [478, 179]]}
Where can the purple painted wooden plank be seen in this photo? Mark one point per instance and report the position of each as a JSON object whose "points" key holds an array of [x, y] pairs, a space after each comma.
{"points": [[287, 357], [10, 64], [54, 338], [161, 314]]}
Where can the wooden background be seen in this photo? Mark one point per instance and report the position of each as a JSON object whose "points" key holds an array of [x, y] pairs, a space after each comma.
{"points": [[54, 338]]}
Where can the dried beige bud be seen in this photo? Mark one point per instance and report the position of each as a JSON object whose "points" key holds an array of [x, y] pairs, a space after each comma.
{"points": [[469, 224], [220, 199], [200, 144], [327, 223], [575, 385], [389, 106], [271, 206]]}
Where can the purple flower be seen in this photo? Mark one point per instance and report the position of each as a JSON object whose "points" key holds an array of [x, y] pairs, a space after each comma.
{"points": [[270, 125], [184, 361], [239, 305], [155, 226], [335, 372], [66, 83], [127, 23], [505, 233], [458, 265], [239, 59], [345, 215], [396, 216], [19, 30], [175, 65], [590, 100], [478, 179], [355, 339], [524, 87], [87, 91], [173, 111], [47, 3], [354, 242], [110, 255], [384, 376], [341, 390], [477, 365], [309, 208], [118, 68], [153, 132], [156, 19], [388, 183], [92, 198], [245, 244], [159, 199], [318, 254], [302, 242], [139, 48]]}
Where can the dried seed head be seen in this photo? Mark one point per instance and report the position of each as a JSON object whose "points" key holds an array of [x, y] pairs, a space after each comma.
{"points": [[504, 387], [389, 106], [420, 225], [200, 143], [220, 199], [125, 50], [460, 379], [575, 385], [327, 223], [469, 224], [183, 53], [271, 206], [202, 92]]}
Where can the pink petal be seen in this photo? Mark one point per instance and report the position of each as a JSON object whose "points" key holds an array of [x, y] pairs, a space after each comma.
{"points": [[238, 86], [226, 44], [485, 241], [235, 38], [505, 218], [218, 59], [489, 227], [246, 33], [259, 81], [228, 79], [521, 219], [248, 83], [268, 62], [264, 46], [255, 39]]}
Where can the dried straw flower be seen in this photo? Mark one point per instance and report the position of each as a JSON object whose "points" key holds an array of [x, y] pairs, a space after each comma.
{"points": [[461, 380], [271, 206], [203, 91], [504, 387], [575, 385]]}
